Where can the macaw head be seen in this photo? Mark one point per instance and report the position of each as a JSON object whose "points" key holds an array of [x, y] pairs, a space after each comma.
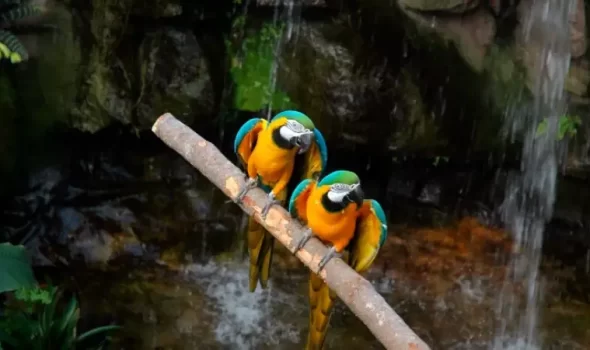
{"points": [[345, 187], [296, 129]]}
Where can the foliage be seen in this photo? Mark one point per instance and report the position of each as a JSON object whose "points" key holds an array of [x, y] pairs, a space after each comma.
{"points": [[16, 270], [568, 125], [38, 321], [10, 12], [252, 68], [32, 319]]}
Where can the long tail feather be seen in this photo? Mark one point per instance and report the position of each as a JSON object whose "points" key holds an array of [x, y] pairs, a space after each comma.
{"points": [[260, 246], [321, 301]]}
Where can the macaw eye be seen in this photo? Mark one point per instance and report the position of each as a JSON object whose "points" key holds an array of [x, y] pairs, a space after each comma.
{"points": [[340, 188], [296, 127]]}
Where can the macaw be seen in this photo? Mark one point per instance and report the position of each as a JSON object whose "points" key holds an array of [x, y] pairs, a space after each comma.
{"points": [[268, 151], [335, 211]]}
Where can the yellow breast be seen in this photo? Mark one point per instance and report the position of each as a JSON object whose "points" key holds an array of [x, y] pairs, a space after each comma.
{"points": [[336, 228], [270, 160]]}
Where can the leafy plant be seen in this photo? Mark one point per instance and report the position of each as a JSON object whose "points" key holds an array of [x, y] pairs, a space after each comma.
{"points": [[568, 125], [15, 271], [37, 321], [11, 11], [251, 68], [34, 319]]}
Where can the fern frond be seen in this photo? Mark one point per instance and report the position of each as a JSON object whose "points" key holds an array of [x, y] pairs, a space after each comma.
{"points": [[11, 47], [19, 12], [6, 3]]}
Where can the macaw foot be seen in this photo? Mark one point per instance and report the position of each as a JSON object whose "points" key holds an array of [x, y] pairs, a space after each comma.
{"points": [[332, 253], [250, 184], [272, 202], [306, 237]]}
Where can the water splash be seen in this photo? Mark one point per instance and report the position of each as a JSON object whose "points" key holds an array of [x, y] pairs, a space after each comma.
{"points": [[246, 320], [530, 195]]}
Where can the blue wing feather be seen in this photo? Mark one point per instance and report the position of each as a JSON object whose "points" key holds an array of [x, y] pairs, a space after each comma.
{"points": [[246, 137], [303, 185], [323, 147], [380, 213], [243, 131], [370, 234]]}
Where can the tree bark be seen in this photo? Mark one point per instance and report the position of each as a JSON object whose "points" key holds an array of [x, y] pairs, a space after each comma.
{"points": [[355, 291]]}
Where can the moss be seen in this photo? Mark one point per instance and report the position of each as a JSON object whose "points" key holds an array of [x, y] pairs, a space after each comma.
{"points": [[251, 68]]}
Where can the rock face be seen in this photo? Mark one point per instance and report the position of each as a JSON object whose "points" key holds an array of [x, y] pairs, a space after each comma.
{"points": [[174, 77], [167, 71], [453, 6]]}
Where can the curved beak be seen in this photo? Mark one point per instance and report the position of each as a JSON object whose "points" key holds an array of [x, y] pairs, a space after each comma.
{"points": [[356, 196], [303, 141]]}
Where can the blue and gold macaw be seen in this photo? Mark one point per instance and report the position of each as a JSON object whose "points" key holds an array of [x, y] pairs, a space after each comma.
{"points": [[335, 211], [268, 151]]}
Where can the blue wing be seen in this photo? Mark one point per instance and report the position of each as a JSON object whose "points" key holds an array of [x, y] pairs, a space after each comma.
{"points": [[316, 157], [246, 137], [299, 197], [371, 231]]}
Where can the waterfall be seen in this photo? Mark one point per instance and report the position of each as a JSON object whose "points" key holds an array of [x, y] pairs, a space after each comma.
{"points": [[530, 195]]}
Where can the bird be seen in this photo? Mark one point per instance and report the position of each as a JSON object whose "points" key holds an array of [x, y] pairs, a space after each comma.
{"points": [[288, 147], [335, 211]]}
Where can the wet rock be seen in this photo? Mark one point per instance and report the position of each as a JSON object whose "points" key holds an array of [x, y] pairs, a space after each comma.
{"points": [[132, 74], [106, 91], [158, 8], [452, 6], [578, 30], [578, 77], [174, 77], [321, 74], [304, 3], [472, 33]]}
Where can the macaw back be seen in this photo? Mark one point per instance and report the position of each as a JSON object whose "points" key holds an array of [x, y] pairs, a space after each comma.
{"points": [[272, 166]]}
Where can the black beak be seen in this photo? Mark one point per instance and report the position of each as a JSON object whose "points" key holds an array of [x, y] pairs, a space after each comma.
{"points": [[303, 142], [356, 196]]}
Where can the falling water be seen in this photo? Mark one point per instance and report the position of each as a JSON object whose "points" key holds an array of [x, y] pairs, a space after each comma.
{"points": [[530, 195], [291, 17]]}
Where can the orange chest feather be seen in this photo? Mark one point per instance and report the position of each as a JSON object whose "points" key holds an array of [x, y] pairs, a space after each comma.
{"points": [[330, 226], [270, 160]]}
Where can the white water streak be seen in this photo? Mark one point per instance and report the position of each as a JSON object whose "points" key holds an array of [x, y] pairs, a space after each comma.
{"points": [[291, 17], [530, 195]]}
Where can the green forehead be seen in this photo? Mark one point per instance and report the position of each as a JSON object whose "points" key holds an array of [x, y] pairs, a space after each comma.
{"points": [[340, 176], [297, 116]]}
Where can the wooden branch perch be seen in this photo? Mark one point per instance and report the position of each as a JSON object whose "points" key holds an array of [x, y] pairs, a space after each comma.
{"points": [[355, 291]]}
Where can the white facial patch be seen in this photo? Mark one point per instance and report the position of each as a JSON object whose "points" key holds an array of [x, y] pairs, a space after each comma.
{"points": [[287, 133], [338, 191], [294, 129]]}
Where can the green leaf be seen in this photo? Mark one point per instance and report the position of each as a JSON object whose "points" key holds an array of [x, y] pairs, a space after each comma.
{"points": [[542, 127], [15, 268], [97, 331], [69, 316]]}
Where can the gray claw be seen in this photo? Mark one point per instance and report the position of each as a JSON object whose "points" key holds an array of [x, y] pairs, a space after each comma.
{"points": [[266, 208], [250, 184], [306, 237], [332, 253]]}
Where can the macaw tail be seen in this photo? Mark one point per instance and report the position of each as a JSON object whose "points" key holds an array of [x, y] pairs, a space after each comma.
{"points": [[321, 301], [260, 247]]}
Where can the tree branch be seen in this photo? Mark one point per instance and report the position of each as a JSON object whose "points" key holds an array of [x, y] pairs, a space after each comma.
{"points": [[355, 291]]}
